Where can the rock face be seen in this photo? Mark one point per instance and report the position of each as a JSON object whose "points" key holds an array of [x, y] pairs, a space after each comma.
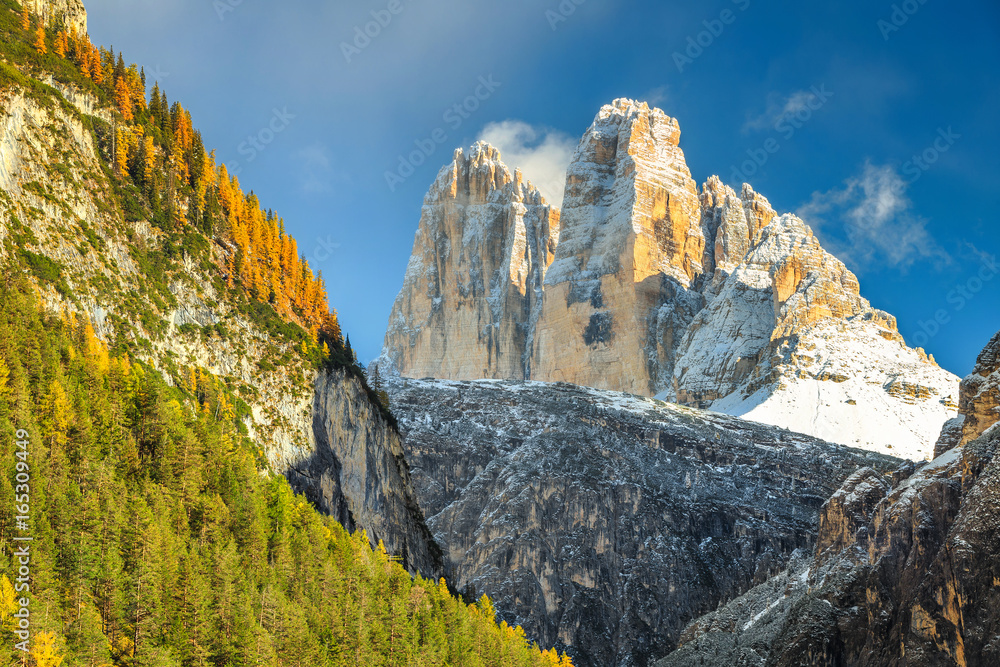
{"points": [[704, 297], [474, 283], [70, 13], [905, 571], [359, 476], [631, 241], [980, 404], [603, 521]]}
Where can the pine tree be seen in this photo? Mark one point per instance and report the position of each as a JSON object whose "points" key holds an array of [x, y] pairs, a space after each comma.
{"points": [[119, 71]]}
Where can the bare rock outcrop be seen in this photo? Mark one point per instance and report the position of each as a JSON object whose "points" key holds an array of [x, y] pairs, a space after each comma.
{"points": [[359, 475], [69, 13], [605, 522], [980, 393], [473, 286], [647, 284]]}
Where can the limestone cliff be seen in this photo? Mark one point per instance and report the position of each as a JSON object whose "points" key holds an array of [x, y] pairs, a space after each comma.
{"points": [[656, 287], [604, 521], [70, 13], [631, 241], [980, 402], [359, 475], [904, 572], [473, 286]]}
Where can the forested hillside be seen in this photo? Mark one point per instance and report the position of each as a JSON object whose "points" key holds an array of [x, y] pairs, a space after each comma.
{"points": [[158, 542], [161, 534]]}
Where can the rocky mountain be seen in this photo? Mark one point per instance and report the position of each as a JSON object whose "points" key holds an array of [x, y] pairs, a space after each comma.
{"points": [[651, 285], [603, 521], [904, 572], [71, 224], [474, 281]]}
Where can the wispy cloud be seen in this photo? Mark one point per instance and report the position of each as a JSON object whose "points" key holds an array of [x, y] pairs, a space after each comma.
{"points": [[876, 216], [780, 107], [317, 174], [657, 97], [542, 155]]}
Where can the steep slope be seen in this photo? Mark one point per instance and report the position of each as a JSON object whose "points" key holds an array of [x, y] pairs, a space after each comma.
{"points": [[155, 283], [473, 284], [904, 572], [704, 297], [605, 521]]}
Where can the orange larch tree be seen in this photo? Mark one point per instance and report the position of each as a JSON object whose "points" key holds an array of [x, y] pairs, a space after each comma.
{"points": [[40, 39], [61, 44], [123, 100], [96, 69]]}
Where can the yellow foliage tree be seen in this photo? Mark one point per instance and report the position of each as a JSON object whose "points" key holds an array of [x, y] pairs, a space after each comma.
{"points": [[8, 604], [82, 56], [148, 159], [40, 39], [62, 44], [25, 18], [57, 413], [121, 151], [96, 70], [4, 380], [123, 100], [95, 351], [44, 650]]}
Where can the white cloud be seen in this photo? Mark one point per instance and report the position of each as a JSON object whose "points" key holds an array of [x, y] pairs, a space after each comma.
{"points": [[542, 155], [656, 97], [779, 107], [875, 214]]}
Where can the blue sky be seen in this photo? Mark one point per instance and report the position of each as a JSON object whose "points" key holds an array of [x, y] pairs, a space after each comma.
{"points": [[833, 104]]}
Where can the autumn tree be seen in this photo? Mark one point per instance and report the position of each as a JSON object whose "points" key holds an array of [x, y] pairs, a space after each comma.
{"points": [[44, 650], [40, 39], [25, 18], [123, 100], [61, 44]]}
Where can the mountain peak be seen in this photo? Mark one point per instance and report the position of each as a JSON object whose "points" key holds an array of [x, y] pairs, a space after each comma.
{"points": [[643, 283]]}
